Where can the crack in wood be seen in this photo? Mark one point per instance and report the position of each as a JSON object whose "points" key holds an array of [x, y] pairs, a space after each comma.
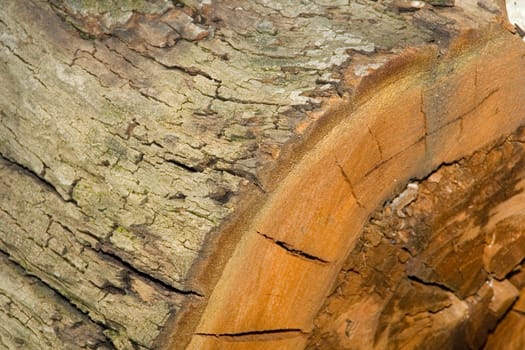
{"points": [[379, 148], [383, 162], [349, 183], [294, 251], [462, 116], [265, 331], [259, 335]]}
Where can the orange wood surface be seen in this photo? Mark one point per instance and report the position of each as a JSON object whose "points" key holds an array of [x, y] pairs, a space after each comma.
{"points": [[427, 111]]}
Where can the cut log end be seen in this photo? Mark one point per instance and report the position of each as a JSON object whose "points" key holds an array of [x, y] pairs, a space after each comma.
{"points": [[407, 125], [437, 270]]}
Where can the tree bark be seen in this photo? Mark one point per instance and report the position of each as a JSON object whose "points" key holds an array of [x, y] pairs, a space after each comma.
{"points": [[194, 174]]}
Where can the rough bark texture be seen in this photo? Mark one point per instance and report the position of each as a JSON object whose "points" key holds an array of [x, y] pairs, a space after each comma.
{"points": [[194, 173], [34, 317]]}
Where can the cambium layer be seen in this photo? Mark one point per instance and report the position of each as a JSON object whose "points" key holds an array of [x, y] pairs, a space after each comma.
{"points": [[194, 174]]}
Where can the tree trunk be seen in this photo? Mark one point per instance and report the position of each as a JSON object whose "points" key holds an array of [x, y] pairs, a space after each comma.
{"points": [[254, 175]]}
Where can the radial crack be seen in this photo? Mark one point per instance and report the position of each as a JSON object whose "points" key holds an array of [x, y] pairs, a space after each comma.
{"points": [[261, 335], [347, 180], [294, 251], [379, 148]]}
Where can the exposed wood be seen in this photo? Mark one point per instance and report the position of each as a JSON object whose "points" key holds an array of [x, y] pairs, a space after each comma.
{"points": [[424, 271], [505, 335], [379, 123], [194, 174]]}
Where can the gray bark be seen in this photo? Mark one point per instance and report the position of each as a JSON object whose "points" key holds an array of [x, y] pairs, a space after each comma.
{"points": [[32, 316]]}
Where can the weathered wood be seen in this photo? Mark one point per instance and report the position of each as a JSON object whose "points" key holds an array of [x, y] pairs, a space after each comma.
{"points": [[32, 316], [194, 173], [505, 335], [39, 232], [422, 274]]}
